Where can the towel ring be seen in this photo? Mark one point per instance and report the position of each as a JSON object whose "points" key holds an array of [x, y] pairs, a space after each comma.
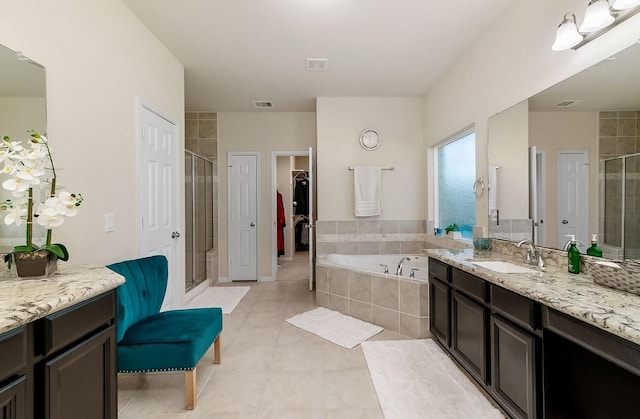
{"points": [[475, 186]]}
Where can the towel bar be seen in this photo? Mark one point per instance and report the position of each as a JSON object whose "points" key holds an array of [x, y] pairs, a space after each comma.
{"points": [[382, 168]]}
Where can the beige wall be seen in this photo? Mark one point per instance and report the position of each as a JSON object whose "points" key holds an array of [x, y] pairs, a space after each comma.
{"points": [[99, 58], [398, 120], [554, 131], [510, 63], [508, 149], [262, 132]]}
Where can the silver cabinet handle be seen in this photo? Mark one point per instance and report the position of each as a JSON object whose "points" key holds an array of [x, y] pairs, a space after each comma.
{"points": [[175, 235], [253, 224]]}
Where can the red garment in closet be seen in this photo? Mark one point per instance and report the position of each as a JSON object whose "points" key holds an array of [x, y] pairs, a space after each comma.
{"points": [[281, 224]]}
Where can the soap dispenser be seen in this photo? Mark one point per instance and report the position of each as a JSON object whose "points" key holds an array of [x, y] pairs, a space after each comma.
{"points": [[594, 250], [573, 255]]}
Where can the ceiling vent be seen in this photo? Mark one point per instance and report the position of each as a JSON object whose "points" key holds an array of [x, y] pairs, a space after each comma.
{"points": [[566, 103], [263, 104], [317, 64]]}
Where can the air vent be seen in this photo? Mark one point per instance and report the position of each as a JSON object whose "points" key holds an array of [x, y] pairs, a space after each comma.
{"points": [[317, 64], [566, 103], [263, 104]]}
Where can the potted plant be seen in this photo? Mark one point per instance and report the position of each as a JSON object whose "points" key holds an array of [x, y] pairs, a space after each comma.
{"points": [[30, 170], [453, 230]]}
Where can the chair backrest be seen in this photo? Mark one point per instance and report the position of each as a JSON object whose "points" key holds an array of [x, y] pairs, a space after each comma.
{"points": [[143, 292]]}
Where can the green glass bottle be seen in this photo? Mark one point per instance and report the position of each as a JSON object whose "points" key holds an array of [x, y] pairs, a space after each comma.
{"points": [[573, 255], [594, 250]]}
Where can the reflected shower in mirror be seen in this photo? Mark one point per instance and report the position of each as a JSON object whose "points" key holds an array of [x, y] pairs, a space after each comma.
{"points": [[22, 108], [567, 161]]}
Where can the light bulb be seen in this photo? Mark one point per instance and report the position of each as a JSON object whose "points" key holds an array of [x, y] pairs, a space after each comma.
{"points": [[567, 35], [596, 17], [625, 4]]}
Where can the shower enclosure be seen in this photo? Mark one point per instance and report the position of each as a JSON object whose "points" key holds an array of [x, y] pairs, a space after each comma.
{"points": [[199, 217], [622, 205]]}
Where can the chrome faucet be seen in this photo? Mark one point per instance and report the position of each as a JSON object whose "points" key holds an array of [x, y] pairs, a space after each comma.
{"points": [[532, 256], [402, 261]]}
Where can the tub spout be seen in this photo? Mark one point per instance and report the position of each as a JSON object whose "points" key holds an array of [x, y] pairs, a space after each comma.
{"points": [[401, 263]]}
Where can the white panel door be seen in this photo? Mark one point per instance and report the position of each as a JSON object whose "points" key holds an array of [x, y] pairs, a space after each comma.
{"points": [[312, 216], [159, 163], [243, 220], [573, 195]]}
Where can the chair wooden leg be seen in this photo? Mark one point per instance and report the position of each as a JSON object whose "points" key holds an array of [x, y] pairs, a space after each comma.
{"points": [[216, 350], [191, 389]]}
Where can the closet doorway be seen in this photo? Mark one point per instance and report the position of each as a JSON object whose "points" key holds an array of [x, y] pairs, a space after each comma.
{"points": [[293, 209]]}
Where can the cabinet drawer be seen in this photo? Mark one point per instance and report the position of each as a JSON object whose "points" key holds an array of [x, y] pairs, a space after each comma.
{"points": [[471, 285], [517, 308], [440, 271], [73, 323], [13, 347]]}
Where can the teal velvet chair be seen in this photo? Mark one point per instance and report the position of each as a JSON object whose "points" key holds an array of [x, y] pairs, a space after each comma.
{"points": [[150, 340]]}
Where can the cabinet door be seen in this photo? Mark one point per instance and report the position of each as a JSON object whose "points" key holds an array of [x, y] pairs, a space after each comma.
{"points": [[469, 335], [12, 399], [439, 319], [514, 355], [83, 379]]}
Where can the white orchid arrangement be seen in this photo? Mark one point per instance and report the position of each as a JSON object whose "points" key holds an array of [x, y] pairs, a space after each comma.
{"points": [[28, 167]]}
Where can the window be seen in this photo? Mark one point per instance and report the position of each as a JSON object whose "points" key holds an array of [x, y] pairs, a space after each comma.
{"points": [[455, 174]]}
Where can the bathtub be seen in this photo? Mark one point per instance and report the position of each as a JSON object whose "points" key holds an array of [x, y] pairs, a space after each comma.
{"points": [[372, 264], [356, 285]]}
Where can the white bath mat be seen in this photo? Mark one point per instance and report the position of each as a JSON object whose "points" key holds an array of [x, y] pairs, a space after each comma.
{"points": [[335, 327], [225, 297], [416, 379]]}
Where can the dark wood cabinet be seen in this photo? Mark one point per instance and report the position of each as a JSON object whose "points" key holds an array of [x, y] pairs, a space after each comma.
{"points": [[515, 365], [81, 379], [13, 399], [469, 335], [439, 311], [62, 365]]}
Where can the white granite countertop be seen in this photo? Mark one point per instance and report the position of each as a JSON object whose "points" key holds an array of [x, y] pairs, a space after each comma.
{"points": [[25, 300], [617, 312]]}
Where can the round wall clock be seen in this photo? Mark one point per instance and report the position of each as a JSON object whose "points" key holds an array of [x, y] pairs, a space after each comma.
{"points": [[370, 139]]}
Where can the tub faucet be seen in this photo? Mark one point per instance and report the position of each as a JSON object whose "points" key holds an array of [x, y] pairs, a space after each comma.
{"points": [[402, 261]]}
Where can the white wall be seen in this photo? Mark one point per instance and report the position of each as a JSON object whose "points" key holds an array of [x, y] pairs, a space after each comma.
{"points": [[398, 120], [262, 132], [509, 64], [98, 58]]}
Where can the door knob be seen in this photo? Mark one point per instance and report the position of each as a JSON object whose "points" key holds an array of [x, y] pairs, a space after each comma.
{"points": [[253, 224], [565, 222], [175, 235]]}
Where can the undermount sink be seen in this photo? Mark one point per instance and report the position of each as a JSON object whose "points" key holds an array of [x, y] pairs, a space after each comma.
{"points": [[503, 267]]}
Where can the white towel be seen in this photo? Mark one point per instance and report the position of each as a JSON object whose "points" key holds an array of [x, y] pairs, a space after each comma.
{"points": [[493, 192], [367, 190]]}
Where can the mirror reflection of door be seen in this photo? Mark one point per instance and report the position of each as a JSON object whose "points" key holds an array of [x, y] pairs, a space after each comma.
{"points": [[573, 195], [243, 217]]}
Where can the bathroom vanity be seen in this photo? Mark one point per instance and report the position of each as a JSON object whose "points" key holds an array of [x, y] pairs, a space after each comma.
{"points": [[58, 345], [541, 344]]}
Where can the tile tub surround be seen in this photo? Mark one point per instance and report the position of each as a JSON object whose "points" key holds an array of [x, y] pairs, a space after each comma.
{"points": [[578, 296], [26, 300], [399, 305], [370, 237]]}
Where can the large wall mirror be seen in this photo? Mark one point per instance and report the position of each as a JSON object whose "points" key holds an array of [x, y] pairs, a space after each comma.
{"points": [[22, 108], [567, 161]]}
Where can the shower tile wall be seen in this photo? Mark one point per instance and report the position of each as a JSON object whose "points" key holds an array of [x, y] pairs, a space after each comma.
{"points": [[619, 135], [201, 137], [370, 237]]}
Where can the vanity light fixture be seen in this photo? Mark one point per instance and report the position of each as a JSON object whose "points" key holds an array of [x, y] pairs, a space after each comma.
{"points": [[599, 17]]}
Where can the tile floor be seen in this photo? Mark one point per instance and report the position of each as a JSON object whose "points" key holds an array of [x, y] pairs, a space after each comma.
{"points": [[269, 369]]}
